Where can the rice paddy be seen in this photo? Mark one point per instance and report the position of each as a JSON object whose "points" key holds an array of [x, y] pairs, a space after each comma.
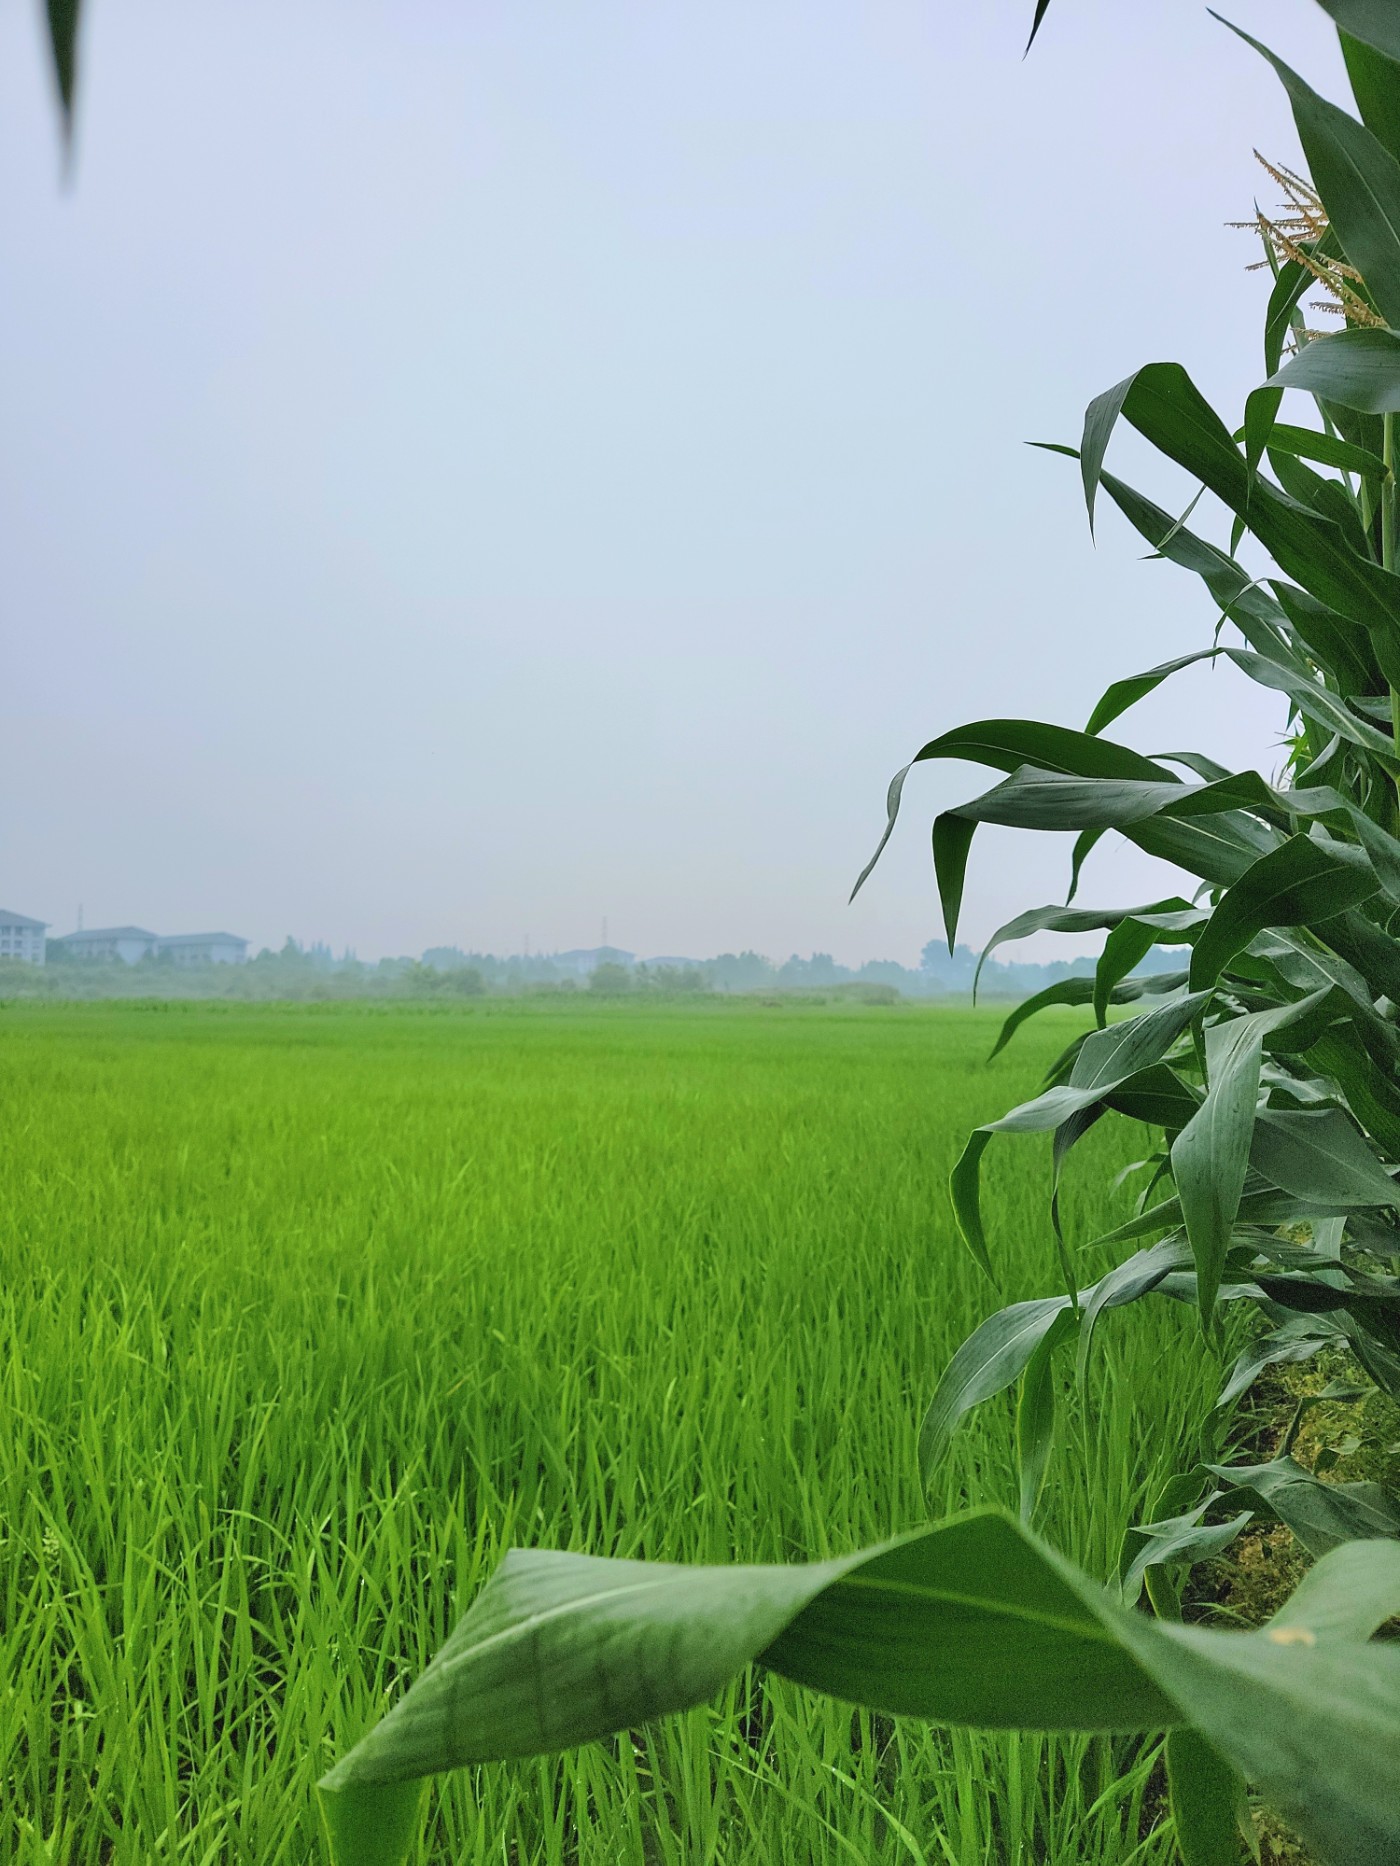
{"points": [[308, 1312]]}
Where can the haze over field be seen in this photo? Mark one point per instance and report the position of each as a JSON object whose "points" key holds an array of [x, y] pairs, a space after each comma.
{"points": [[465, 473]]}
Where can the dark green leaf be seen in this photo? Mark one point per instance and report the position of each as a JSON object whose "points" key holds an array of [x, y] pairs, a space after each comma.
{"points": [[1083, 844], [1340, 647], [1126, 947], [1164, 405], [1208, 1801], [63, 41], [1300, 882], [970, 1622], [993, 1357], [1373, 22], [1076, 991], [1375, 77], [1327, 450], [1210, 1156], [1035, 1416], [1246, 602], [1128, 1282], [1260, 409], [1325, 496], [1125, 693], [1320, 1515], [1177, 1541], [1319, 1156], [1299, 1339], [1311, 698], [1358, 368], [1042, 7], [1004, 744], [1106, 1061]]}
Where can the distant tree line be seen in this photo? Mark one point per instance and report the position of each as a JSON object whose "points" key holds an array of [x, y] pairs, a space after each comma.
{"points": [[313, 973]]}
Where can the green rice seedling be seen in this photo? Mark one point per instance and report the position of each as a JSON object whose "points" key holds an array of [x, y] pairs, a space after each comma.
{"points": [[306, 1313]]}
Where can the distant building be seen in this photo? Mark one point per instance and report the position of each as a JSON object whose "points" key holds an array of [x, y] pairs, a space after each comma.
{"points": [[22, 938], [126, 943], [584, 960], [203, 948], [131, 944]]}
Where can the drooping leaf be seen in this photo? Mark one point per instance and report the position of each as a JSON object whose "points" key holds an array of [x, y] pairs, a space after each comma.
{"points": [[1057, 919], [1313, 699], [1157, 1096], [1358, 368], [974, 1621], [1321, 1157], [1177, 1541], [1125, 693], [1106, 1061], [1164, 405], [1301, 881], [1125, 948], [1240, 597], [1297, 1340], [1004, 744], [1321, 1515], [993, 1357], [63, 16], [1128, 1282], [1076, 990], [1326, 449], [1373, 22], [1083, 848]]}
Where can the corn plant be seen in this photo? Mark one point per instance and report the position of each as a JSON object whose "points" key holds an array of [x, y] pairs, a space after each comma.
{"points": [[1269, 1071]]}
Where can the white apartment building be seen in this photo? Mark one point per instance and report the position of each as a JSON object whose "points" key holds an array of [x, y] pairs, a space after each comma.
{"points": [[22, 938], [202, 948], [126, 943]]}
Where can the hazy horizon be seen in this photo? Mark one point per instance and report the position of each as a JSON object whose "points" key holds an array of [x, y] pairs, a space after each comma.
{"points": [[467, 476]]}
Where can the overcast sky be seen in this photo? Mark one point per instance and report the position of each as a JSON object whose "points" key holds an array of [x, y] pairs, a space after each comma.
{"points": [[470, 470]]}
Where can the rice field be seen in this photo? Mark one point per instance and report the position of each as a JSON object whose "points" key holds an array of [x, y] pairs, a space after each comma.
{"points": [[308, 1312]]}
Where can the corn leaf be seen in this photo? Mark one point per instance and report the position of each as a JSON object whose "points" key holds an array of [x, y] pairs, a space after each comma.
{"points": [[1358, 368], [974, 1621]]}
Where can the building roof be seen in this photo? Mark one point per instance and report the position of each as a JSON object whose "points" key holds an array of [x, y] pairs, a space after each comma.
{"points": [[7, 919], [86, 933], [201, 939]]}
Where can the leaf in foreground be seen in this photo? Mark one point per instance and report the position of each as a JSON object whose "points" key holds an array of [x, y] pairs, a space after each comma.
{"points": [[972, 1622]]}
